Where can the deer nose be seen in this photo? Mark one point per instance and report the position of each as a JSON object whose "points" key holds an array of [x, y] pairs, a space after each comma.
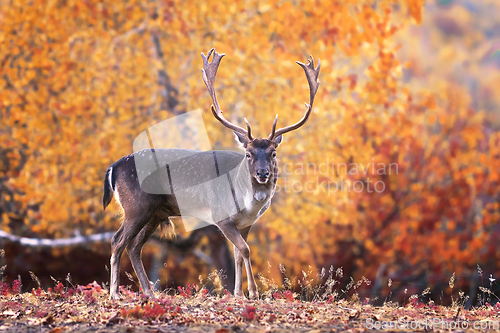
{"points": [[262, 173]]}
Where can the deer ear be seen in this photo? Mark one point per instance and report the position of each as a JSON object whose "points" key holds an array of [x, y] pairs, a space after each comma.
{"points": [[243, 139], [278, 139]]}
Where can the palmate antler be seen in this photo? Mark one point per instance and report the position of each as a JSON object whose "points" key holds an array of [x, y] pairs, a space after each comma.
{"points": [[312, 77], [209, 72]]}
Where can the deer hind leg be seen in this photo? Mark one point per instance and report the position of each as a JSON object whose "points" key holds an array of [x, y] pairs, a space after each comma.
{"points": [[117, 246], [134, 250], [121, 240], [238, 265], [233, 234]]}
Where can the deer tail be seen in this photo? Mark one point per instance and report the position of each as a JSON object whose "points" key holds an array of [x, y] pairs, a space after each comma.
{"points": [[109, 188]]}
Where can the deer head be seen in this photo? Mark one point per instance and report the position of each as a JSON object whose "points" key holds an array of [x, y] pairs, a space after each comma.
{"points": [[260, 152]]}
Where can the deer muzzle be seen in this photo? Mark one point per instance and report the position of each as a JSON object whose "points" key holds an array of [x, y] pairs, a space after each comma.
{"points": [[262, 176]]}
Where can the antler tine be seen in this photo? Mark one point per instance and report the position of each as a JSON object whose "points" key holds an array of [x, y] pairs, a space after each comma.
{"points": [[312, 78], [209, 71], [249, 130], [271, 136]]}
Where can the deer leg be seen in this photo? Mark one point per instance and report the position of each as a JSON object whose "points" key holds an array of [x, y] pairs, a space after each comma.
{"points": [[238, 265], [117, 246], [127, 232], [134, 250], [233, 234]]}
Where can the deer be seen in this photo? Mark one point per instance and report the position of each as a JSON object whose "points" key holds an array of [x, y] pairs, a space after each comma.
{"points": [[251, 176]]}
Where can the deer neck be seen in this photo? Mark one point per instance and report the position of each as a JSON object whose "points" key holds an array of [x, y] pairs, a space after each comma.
{"points": [[253, 194]]}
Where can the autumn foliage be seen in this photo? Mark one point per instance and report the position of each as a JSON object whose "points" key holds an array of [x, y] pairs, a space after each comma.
{"points": [[81, 79]]}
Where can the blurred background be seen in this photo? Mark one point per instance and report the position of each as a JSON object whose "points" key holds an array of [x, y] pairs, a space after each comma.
{"points": [[408, 102]]}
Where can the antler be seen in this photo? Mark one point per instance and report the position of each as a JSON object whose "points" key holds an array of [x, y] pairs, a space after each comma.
{"points": [[312, 77], [209, 72]]}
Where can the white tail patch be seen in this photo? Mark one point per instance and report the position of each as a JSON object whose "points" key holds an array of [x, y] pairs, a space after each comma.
{"points": [[115, 193], [110, 178]]}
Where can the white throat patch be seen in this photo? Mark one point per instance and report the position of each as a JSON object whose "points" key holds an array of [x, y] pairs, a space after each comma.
{"points": [[259, 196]]}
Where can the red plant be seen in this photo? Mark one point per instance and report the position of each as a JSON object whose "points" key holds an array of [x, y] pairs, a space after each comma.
{"points": [[154, 311], [37, 292], [188, 291], [16, 287], [59, 289], [134, 312], [148, 312], [416, 304], [4, 289], [249, 313], [166, 302], [70, 292], [89, 297], [288, 295]]}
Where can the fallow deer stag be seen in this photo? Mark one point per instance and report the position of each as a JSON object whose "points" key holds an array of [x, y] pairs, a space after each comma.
{"points": [[188, 183]]}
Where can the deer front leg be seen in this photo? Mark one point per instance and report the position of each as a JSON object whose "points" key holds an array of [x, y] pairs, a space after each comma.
{"points": [[238, 265], [233, 234]]}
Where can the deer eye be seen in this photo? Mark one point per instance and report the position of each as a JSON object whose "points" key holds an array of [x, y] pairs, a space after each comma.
{"points": [[273, 154], [248, 155]]}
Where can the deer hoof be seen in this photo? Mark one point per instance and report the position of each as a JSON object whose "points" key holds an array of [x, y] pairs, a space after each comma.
{"points": [[114, 296], [253, 295], [150, 295]]}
